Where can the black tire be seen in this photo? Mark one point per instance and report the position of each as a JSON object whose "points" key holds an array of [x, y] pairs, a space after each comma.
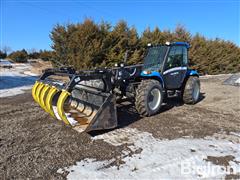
{"points": [[189, 94], [144, 95]]}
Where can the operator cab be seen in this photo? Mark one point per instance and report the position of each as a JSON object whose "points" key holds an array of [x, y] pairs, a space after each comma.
{"points": [[170, 61]]}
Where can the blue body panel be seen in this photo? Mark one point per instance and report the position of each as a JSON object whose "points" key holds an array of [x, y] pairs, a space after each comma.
{"points": [[158, 76], [181, 43], [154, 75], [192, 72]]}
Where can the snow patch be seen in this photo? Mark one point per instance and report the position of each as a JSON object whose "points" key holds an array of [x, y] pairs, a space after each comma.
{"points": [[14, 82], [206, 76], [235, 134], [68, 115], [233, 80], [179, 158], [237, 81], [29, 73]]}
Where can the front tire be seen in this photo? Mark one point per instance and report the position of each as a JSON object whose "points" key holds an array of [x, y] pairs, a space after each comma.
{"points": [[191, 91], [149, 96]]}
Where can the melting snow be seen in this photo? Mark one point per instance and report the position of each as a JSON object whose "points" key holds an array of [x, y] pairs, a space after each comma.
{"points": [[179, 158], [13, 81], [237, 81]]}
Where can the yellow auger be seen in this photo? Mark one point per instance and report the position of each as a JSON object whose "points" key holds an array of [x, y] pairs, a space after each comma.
{"points": [[80, 106]]}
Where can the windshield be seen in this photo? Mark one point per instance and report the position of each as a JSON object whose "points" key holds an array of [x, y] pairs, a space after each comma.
{"points": [[154, 58]]}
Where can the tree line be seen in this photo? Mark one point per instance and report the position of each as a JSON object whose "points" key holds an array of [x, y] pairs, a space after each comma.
{"points": [[22, 56], [88, 44]]}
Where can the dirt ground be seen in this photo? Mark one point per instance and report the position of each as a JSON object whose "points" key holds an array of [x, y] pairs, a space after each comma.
{"points": [[34, 145]]}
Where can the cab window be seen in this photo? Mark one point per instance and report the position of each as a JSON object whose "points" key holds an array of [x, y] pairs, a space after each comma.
{"points": [[177, 57], [185, 56]]}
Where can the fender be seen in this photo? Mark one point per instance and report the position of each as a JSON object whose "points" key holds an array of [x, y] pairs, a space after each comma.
{"points": [[192, 72], [153, 75]]}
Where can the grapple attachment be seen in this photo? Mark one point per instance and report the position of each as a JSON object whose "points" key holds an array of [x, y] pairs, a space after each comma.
{"points": [[80, 103]]}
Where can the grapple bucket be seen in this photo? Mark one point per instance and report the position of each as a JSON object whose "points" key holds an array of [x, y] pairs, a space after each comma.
{"points": [[84, 107], [87, 109]]}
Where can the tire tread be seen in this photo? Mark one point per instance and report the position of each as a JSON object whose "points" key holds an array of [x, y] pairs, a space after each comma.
{"points": [[188, 89], [141, 93]]}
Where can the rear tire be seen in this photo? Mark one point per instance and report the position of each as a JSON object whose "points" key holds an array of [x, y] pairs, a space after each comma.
{"points": [[149, 96], [191, 90]]}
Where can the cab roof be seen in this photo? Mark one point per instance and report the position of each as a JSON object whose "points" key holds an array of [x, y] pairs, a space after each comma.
{"points": [[181, 44], [187, 45]]}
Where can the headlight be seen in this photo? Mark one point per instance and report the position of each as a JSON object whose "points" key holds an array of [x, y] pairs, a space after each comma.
{"points": [[147, 72], [122, 65], [167, 43]]}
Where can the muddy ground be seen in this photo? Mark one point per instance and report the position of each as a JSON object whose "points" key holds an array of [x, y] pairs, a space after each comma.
{"points": [[34, 145]]}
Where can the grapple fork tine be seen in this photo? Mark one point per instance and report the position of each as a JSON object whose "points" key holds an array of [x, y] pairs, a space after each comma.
{"points": [[38, 91], [53, 90], [43, 96], [60, 106], [34, 88]]}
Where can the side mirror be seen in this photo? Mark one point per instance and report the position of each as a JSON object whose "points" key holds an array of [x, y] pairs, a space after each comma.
{"points": [[190, 63]]}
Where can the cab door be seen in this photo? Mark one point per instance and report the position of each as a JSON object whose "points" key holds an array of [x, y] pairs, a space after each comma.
{"points": [[175, 67]]}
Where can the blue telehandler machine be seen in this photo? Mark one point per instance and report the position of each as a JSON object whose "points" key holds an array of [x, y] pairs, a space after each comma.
{"points": [[86, 100]]}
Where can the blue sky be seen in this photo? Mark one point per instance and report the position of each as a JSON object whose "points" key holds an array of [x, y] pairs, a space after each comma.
{"points": [[27, 24]]}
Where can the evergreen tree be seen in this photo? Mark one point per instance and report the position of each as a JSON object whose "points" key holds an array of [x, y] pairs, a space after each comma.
{"points": [[3, 55], [87, 45], [181, 34], [19, 56]]}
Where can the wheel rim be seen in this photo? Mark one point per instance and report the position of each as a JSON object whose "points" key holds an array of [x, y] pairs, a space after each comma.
{"points": [[196, 91], [154, 99]]}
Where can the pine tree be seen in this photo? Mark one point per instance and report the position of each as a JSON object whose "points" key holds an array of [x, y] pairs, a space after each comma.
{"points": [[88, 45]]}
